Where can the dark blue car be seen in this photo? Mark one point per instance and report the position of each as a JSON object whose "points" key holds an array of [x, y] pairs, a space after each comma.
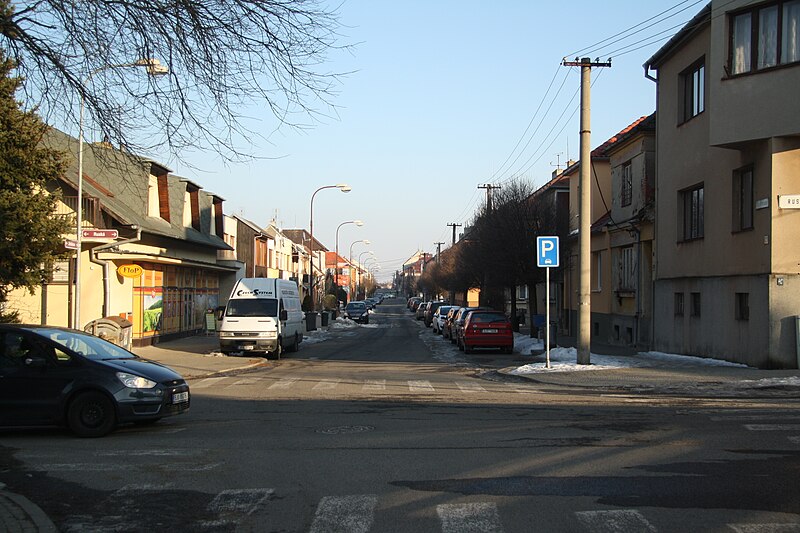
{"points": [[60, 376]]}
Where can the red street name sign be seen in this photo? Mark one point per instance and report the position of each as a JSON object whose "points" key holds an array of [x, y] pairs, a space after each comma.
{"points": [[100, 234]]}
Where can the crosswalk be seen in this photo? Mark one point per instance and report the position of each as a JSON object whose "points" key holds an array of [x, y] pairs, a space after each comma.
{"points": [[368, 386]]}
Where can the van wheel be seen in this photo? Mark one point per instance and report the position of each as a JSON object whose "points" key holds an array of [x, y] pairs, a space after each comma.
{"points": [[295, 344], [279, 348]]}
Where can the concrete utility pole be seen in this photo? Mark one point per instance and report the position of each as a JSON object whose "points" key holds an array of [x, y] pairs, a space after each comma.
{"points": [[585, 212], [489, 188], [454, 226]]}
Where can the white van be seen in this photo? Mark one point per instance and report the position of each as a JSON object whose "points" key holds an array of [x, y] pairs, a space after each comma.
{"points": [[262, 315]]}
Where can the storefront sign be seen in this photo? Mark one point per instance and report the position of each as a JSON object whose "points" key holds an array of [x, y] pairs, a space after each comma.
{"points": [[130, 271]]}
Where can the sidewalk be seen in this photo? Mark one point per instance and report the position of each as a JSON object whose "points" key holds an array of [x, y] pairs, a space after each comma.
{"points": [[197, 356]]}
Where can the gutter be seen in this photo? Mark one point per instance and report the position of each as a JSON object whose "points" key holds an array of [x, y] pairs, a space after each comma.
{"points": [[104, 263]]}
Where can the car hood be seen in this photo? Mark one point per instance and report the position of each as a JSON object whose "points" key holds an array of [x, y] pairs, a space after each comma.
{"points": [[143, 367]]}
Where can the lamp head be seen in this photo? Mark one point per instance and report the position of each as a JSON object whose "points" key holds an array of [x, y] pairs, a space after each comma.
{"points": [[153, 66], [358, 222], [344, 187]]}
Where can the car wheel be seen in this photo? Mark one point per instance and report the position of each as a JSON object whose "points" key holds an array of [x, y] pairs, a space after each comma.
{"points": [[467, 348], [509, 349], [460, 346], [91, 414], [279, 348], [295, 344]]}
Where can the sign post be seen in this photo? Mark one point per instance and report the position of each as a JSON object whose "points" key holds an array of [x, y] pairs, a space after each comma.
{"points": [[546, 257]]}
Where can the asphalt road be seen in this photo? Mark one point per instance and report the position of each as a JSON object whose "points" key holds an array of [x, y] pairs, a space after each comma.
{"points": [[386, 428]]}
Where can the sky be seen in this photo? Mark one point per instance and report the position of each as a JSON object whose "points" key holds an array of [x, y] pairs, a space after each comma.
{"points": [[442, 97]]}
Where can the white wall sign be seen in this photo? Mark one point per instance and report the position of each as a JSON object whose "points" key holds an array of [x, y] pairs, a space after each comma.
{"points": [[789, 201]]}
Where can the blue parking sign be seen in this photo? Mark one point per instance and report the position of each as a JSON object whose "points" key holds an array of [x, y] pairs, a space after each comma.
{"points": [[547, 251]]}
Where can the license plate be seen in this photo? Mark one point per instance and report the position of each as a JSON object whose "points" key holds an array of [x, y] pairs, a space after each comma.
{"points": [[489, 331], [246, 347], [180, 397]]}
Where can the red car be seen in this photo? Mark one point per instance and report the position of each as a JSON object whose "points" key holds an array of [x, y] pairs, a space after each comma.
{"points": [[487, 329]]}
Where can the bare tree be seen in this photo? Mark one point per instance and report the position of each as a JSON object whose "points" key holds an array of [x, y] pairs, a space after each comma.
{"points": [[222, 55]]}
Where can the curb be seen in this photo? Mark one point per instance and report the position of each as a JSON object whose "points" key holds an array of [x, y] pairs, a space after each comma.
{"points": [[19, 514]]}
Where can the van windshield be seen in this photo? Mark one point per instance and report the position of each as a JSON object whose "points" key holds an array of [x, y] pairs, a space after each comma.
{"points": [[252, 307]]}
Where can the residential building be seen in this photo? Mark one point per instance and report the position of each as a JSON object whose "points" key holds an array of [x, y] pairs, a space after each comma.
{"points": [[169, 232], [727, 263]]}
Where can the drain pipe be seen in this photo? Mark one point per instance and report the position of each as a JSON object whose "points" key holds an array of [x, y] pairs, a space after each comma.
{"points": [[104, 263]]}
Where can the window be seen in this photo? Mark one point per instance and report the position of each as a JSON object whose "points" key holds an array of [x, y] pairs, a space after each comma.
{"points": [[693, 82], [695, 311], [627, 271], [765, 37], [597, 271], [691, 204], [626, 191], [522, 292], [742, 306], [743, 199], [678, 304]]}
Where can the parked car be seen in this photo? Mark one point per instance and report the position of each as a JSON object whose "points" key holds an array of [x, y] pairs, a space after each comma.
{"points": [[415, 303], [439, 318], [487, 329], [420, 312], [457, 327], [357, 311], [447, 326], [432, 307], [59, 376], [371, 302]]}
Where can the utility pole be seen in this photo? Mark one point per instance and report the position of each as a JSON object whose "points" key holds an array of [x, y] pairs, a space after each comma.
{"points": [[454, 226], [585, 212], [438, 250], [489, 188]]}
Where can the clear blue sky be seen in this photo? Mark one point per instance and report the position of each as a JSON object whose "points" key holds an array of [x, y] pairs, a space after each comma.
{"points": [[439, 95]]}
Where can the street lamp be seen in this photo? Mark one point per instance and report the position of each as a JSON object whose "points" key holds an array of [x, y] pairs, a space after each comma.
{"points": [[344, 188], [361, 266], [153, 68], [336, 260], [350, 259]]}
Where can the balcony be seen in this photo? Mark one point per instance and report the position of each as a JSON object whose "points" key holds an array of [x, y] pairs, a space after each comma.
{"points": [[92, 216]]}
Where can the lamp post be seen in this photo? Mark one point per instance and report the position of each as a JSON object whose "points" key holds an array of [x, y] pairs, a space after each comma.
{"points": [[350, 259], [154, 68], [361, 267], [344, 188], [336, 259]]}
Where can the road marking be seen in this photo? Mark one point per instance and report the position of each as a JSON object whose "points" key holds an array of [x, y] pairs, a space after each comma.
{"points": [[327, 384], [246, 381], [742, 418], [614, 521], [765, 528], [157, 453], [794, 439], [240, 501], [524, 390], [420, 386], [202, 384], [284, 383], [469, 518], [468, 387], [772, 427], [353, 514], [374, 385]]}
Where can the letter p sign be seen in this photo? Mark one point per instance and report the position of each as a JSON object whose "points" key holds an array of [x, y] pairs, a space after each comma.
{"points": [[547, 251]]}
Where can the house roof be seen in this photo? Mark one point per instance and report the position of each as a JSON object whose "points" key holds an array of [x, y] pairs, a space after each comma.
{"points": [[302, 237], [601, 152], [643, 125], [120, 180], [698, 22]]}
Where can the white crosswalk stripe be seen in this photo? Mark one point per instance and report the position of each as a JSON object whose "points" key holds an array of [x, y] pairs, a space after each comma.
{"points": [[205, 383], [469, 518], [326, 384], [420, 386], [765, 528], [348, 514], [620, 521], [469, 387], [374, 385], [772, 427], [284, 383], [246, 381]]}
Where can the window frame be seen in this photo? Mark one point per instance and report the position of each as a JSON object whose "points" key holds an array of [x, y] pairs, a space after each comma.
{"points": [[695, 303], [691, 220], [743, 196], [678, 304], [693, 91], [755, 44], [742, 306], [626, 184]]}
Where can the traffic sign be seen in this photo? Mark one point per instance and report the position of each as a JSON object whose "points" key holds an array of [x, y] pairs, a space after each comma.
{"points": [[70, 244], [100, 234], [547, 251]]}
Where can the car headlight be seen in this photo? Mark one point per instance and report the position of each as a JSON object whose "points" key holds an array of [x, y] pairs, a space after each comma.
{"points": [[132, 381], [226, 334], [268, 334]]}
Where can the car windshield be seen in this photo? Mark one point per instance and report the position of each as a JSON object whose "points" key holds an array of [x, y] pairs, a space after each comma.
{"points": [[353, 307], [252, 307], [87, 345], [487, 317]]}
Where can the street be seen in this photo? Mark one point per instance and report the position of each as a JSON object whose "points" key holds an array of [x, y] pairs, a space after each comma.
{"points": [[387, 427]]}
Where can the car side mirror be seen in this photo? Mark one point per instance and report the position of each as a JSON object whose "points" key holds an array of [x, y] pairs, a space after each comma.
{"points": [[284, 315], [220, 312]]}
